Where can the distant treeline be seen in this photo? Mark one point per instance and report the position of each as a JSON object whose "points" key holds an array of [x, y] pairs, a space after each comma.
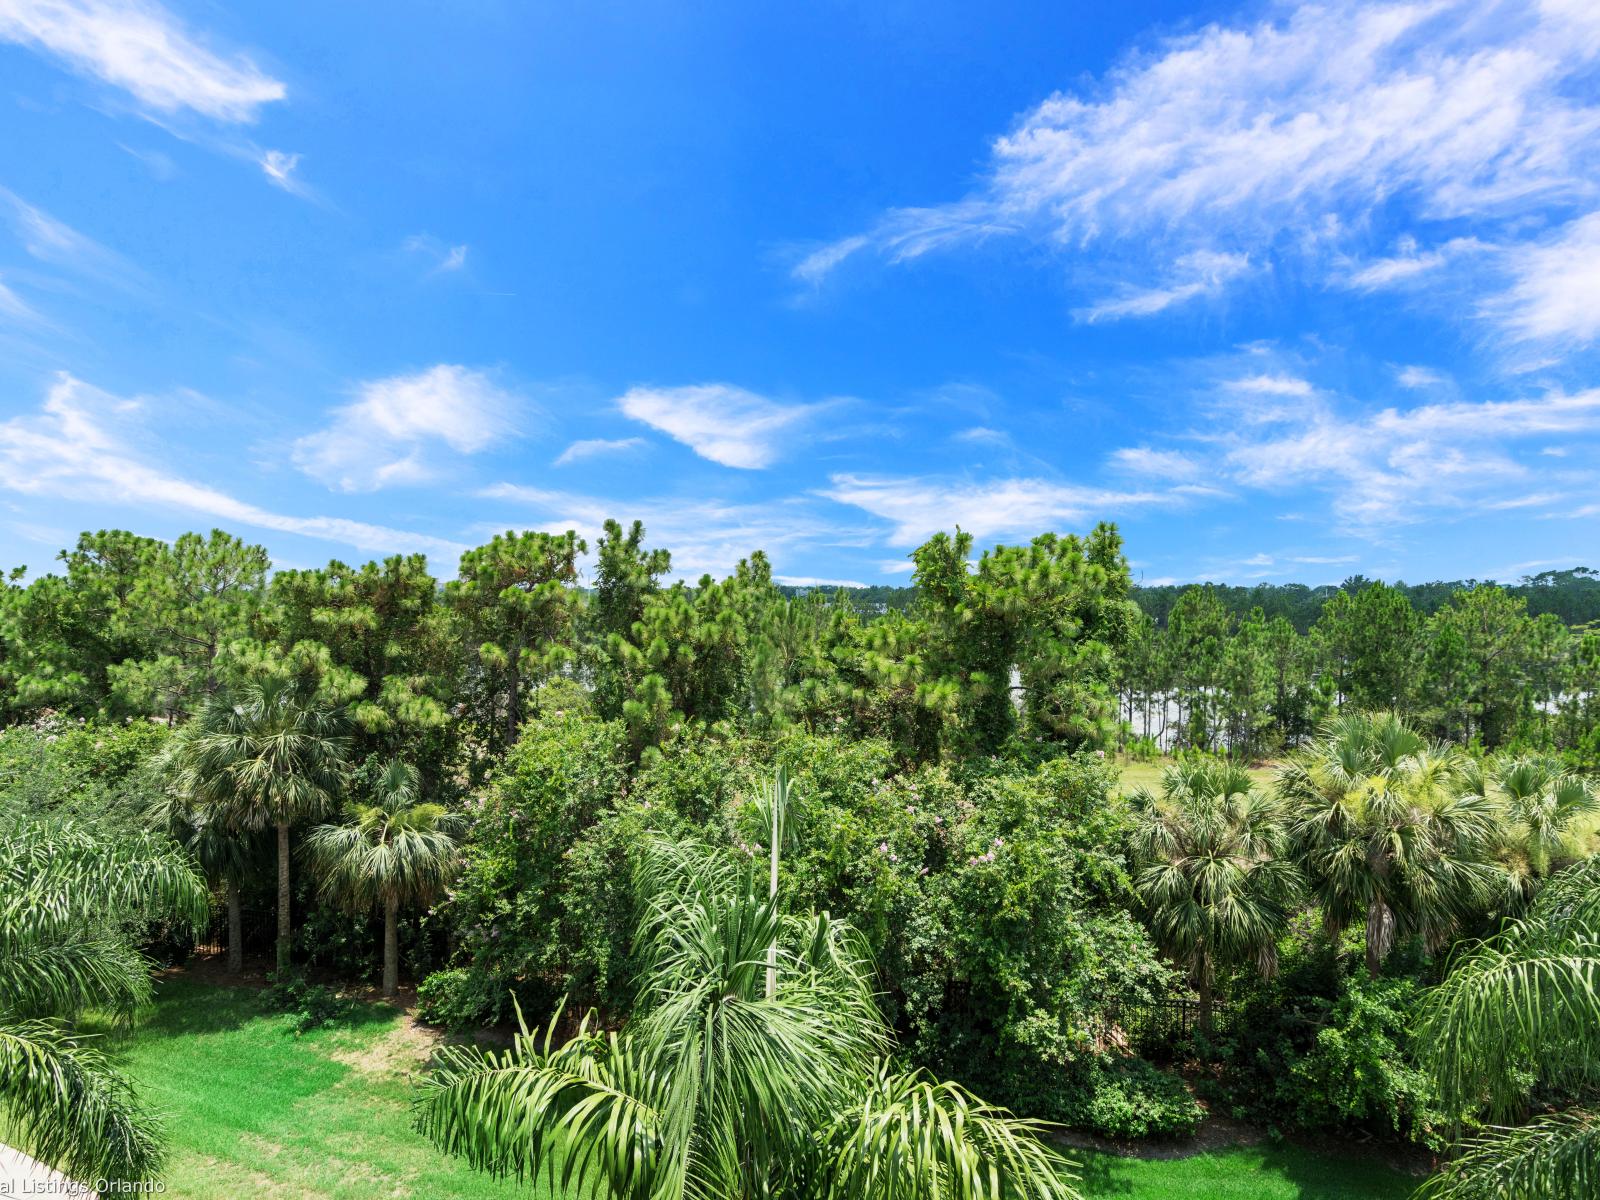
{"points": [[1572, 596]]}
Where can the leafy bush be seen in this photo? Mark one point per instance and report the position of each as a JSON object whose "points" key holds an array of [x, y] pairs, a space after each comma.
{"points": [[1130, 1098], [456, 998], [542, 907], [1323, 1047], [993, 895], [1358, 1071], [309, 1005], [97, 772]]}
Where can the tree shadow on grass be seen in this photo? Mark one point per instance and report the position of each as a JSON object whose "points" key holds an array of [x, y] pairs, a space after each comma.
{"points": [[185, 1008], [1097, 1175], [1357, 1173]]}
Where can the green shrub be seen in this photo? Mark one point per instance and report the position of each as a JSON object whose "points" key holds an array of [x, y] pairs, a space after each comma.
{"points": [[97, 772], [1130, 1098], [1358, 1071], [457, 998], [309, 1005], [1324, 1047]]}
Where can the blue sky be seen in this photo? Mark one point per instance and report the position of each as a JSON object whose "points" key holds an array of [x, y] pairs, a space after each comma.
{"points": [[1288, 291]]}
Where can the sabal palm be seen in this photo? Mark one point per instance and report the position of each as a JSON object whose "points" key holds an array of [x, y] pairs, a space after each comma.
{"points": [[1522, 1011], [65, 898], [1388, 827], [1541, 802], [1212, 873], [397, 850], [271, 758], [718, 1088]]}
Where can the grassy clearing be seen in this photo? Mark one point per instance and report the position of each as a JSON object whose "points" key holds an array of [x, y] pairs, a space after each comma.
{"points": [[1148, 774], [255, 1111]]}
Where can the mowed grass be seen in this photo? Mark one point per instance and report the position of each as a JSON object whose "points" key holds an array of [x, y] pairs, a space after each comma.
{"points": [[252, 1110], [1245, 1173]]}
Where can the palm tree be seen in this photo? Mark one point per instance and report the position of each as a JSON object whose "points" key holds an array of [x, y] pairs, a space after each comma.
{"points": [[1388, 827], [1517, 1013], [67, 899], [718, 1087], [274, 757], [1212, 875], [1541, 802], [399, 850]]}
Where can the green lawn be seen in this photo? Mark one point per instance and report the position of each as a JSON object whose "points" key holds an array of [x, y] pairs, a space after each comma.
{"points": [[1246, 1173], [1148, 774], [255, 1111]]}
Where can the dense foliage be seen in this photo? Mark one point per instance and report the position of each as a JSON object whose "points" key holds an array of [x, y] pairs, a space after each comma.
{"points": [[457, 782]]}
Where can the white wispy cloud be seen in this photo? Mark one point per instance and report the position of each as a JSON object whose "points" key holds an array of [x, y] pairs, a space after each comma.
{"points": [[718, 421], [141, 48], [446, 258], [79, 446], [1416, 378], [384, 436], [1555, 293], [1199, 273], [53, 241], [594, 447], [1270, 385], [1395, 466], [1408, 262], [280, 167], [982, 435], [1155, 464], [918, 507], [816, 266], [1286, 136], [704, 535], [14, 306]]}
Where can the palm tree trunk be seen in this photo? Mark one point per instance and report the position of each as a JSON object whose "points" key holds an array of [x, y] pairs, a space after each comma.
{"points": [[391, 947], [235, 930], [1380, 934], [284, 927]]}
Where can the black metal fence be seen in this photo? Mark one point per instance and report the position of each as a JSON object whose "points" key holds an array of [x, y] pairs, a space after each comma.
{"points": [[1154, 1025], [259, 927]]}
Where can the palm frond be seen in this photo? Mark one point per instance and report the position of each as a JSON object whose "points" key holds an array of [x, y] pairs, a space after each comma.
{"points": [[910, 1138], [63, 1102], [1553, 1157]]}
